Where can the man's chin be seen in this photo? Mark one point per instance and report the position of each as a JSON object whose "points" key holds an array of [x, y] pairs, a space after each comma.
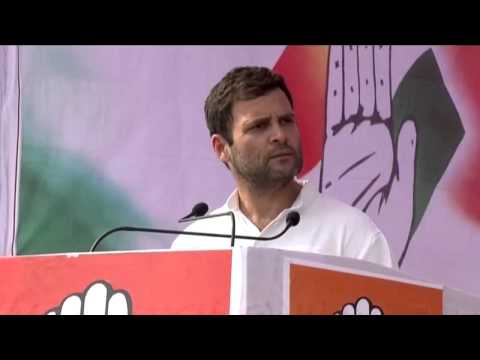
{"points": [[282, 176], [283, 170]]}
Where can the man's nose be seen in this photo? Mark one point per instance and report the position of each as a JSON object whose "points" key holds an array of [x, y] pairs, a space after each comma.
{"points": [[279, 134]]}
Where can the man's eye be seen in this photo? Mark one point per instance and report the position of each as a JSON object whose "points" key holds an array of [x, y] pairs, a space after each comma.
{"points": [[259, 126]]}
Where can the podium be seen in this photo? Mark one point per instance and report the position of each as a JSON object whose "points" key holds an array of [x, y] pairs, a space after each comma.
{"points": [[243, 280]]}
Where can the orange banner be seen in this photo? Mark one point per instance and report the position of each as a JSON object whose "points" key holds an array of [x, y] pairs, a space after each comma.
{"points": [[183, 282], [323, 291]]}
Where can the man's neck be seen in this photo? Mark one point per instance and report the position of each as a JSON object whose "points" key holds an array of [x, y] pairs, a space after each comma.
{"points": [[261, 206]]}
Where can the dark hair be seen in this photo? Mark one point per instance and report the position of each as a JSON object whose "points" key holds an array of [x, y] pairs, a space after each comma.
{"points": [[242, 83]]}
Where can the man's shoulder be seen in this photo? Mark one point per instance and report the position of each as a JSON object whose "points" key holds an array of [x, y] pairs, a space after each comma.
{"points": [[363, 238], [333, 208], [206, 225], [213, 225], [325, 202], [315, 200]]}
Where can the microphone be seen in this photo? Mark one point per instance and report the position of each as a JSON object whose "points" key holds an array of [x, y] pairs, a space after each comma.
{"points": [[199, 209], [201, 217], [293, 218]]}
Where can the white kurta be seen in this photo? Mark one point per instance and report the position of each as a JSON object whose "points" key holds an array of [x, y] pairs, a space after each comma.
{"points": [[327, 226]]}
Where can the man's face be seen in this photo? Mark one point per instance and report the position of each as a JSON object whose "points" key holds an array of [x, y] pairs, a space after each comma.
{"points": [[266, 147]]}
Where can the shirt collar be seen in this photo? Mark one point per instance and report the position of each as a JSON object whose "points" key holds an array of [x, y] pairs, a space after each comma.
{"points": [[232, 203]]}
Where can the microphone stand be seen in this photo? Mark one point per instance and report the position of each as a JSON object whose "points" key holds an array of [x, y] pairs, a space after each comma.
{"points": [[291, 221]]}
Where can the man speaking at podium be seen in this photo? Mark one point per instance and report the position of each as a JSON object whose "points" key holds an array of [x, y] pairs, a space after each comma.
{"points": [[254, 133]]}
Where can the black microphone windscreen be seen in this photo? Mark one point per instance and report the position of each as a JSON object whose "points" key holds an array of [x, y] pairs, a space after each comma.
{"points": [[293, 218], [200, 209]]}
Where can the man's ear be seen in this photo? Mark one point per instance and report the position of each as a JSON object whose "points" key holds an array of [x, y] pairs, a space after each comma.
{"points": [[221, 148]]}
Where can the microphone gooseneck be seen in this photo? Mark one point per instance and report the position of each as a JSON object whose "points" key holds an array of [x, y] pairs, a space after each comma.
{"points": [[292, 219]]}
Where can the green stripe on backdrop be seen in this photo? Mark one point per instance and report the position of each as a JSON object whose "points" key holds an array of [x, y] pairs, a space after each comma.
{"points": [[65, 204]]}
